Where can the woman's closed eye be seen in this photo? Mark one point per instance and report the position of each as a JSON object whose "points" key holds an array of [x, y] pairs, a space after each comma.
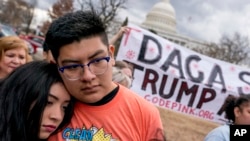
{"points": [[49, 102], [10, 55]]}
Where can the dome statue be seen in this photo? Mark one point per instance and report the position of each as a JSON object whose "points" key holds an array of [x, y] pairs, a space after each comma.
{"points": [[161, 18]]}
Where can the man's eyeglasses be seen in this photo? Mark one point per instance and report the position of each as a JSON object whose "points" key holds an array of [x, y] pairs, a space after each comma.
{"points": [[74, 72]]}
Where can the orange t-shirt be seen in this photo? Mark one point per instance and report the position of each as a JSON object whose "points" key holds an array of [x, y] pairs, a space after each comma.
{"points": [[128, 117]]}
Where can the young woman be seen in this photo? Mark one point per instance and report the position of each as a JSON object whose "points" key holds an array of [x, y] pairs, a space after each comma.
{"points": [[237, 112], [13, 53], [33, 103]]}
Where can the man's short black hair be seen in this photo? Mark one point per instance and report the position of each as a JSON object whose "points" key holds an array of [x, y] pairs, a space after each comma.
{"points": [[45, 47], [73, 27]]}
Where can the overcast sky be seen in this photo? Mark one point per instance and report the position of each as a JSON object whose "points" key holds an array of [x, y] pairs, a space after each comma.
{"points": [[201, 19]]}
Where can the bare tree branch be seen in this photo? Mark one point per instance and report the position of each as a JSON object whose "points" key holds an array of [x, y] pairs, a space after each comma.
{"points": [[106, 9], [59, 8], [234, 50]]}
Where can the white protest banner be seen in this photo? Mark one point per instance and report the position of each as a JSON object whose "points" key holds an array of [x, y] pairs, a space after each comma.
{"points": [[177, 78]]}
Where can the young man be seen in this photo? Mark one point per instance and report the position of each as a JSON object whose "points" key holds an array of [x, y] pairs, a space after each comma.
{"points": [[103, 109]]}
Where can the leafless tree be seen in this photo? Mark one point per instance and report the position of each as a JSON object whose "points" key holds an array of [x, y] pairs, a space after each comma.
{"points": [[27, 13], [106, 9], [237, 48], [234, 50], [10, 12], [17, 13], [59, 8], [2, 3]]}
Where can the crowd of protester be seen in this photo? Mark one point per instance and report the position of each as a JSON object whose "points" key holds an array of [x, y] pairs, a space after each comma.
{"points": [[72, 87], [76, 83]]}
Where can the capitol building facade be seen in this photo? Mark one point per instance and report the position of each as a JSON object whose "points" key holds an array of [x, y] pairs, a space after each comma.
{"points": [[162, 21]]}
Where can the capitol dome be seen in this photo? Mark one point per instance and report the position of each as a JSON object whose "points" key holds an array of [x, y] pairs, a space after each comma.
{"points": [[161, 18]]}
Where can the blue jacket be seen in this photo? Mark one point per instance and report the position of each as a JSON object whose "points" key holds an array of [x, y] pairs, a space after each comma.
{"points": [[220, 133]]}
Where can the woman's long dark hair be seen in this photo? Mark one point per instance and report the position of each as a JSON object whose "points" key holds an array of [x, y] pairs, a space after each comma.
{"points": [[231, 102], [23, 98]]}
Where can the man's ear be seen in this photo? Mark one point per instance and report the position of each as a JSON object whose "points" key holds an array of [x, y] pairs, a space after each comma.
{"points": [[111, 53], [111, 50]]}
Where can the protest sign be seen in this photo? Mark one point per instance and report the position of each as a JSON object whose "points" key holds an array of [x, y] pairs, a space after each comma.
{"points": [[174, 77]]}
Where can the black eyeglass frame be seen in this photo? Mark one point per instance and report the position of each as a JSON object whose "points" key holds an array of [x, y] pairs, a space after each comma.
{"points": [[61, 69]]}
